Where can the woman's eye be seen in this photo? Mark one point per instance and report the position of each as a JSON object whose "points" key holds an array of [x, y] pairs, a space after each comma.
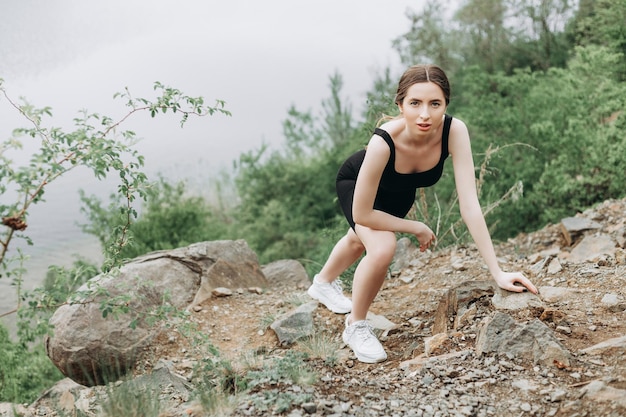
{"points": [[435, 105], [414, 103]]}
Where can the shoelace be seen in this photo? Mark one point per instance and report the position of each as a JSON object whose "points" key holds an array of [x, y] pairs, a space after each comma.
{"points": [[364, 330], [336, 286]]}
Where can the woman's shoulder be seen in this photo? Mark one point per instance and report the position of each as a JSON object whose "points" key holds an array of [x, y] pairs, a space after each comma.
{"points": [[393, 127], [458, 138], [457, 126]]}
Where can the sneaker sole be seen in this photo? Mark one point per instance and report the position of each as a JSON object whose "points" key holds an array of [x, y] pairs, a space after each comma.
{"points": [[316, 297]]}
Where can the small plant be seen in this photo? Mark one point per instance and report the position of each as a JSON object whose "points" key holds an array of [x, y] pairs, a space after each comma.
{"points": [[266, 321], [291, 369], [217, 385], [277, 401], [321, 345], [447, 222], [297, 300], [210, 402], [130, 399]]}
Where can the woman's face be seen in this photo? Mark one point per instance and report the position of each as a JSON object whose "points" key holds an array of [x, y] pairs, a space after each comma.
{"points": [[423, 107]]}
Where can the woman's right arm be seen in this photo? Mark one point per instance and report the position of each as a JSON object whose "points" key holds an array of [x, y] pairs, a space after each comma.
{"points": [[367, 183]]}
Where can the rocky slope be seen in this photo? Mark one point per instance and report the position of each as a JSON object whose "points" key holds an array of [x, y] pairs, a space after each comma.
{"points": [[579, 266]]}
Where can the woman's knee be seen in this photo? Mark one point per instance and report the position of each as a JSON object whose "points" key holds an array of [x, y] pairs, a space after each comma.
{"points": [[382, 250], [354, 242]]}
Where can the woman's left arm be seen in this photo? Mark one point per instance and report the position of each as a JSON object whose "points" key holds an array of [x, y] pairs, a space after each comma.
{"points": [[471, 212]]}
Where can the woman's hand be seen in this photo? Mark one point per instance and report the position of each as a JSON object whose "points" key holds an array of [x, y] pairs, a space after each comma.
{"points": [[424, 235], [507, 280]]}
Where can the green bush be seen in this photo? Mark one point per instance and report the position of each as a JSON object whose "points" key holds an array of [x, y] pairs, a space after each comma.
{"points": [[169, 219], [25, 372]]}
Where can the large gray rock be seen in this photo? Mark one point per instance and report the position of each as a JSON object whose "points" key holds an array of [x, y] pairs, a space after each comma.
{"points": [[286, 274], [93, 350], [532, 341]]}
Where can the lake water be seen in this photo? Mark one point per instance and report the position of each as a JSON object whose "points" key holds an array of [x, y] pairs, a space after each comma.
{"points": [[260, 57]]}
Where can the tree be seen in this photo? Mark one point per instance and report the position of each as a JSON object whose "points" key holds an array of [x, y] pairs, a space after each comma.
{"points": [[601, 22], [95, 144], [287, 197], [427, 40], [485, 37]]}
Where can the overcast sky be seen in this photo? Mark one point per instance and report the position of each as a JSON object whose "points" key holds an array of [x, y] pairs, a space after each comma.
{"points": [[260, 56]]}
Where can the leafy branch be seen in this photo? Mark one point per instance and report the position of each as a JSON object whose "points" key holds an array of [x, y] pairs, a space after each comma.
{"points": [[95, 144]]}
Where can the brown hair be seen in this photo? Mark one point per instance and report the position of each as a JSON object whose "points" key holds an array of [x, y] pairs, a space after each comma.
{"points": [[423, 74], [419, 74]]}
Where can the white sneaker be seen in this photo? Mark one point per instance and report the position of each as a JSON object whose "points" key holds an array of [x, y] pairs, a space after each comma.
{"points": [[363, 342], [331, 295]]}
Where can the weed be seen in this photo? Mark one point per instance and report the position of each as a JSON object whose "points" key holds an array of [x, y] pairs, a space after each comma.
{"points": [[130, 400], [291, 368], [278, 401], [266, 321], [321, 345]]}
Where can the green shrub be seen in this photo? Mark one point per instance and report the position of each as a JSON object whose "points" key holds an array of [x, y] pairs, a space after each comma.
{"points": [[25, 372], [170, 218]]}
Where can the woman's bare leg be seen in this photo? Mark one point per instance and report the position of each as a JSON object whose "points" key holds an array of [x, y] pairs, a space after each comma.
{"points": [[380, 247], [346, 251]]}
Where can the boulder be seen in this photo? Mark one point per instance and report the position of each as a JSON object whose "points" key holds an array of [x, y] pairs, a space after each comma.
{"points": [[101, 333], [286, 274], [532, 341]]}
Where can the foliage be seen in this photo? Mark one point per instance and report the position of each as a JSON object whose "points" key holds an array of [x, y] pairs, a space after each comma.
{"points": [[588, 156], [566, 118], [496, 36], [94, 144], [601, 22], [290, 369], [427, 40], [169, 219], [286, 198], [217, 381], [61, 282], [24, 371]]}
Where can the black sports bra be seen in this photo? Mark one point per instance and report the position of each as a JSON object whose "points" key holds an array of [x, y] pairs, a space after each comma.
{"points": [[392, 180]]}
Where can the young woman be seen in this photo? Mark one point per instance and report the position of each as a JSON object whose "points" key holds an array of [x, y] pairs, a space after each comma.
{"points": [[376, 189]]}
